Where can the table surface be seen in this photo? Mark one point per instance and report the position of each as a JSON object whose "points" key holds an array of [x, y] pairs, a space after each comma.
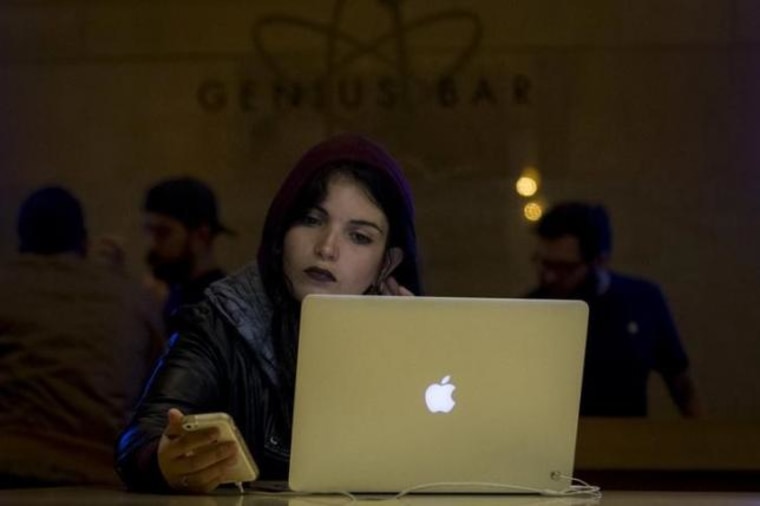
{"points": [[101, 496]]}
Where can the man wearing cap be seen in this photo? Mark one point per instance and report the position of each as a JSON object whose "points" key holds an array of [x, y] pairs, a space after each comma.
{"points": [[182, 223]]}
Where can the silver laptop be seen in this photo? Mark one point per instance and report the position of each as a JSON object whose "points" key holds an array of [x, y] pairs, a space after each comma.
{"points": [[444, 394]]}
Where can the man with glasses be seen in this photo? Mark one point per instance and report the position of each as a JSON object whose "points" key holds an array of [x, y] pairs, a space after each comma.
{"points": [[631, 332]]}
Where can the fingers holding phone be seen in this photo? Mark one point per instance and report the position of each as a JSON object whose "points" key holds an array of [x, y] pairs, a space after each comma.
{"points": [[194, 461]]}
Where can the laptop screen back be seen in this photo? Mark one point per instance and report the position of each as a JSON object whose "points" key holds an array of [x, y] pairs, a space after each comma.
{"points": [[396, 392]]}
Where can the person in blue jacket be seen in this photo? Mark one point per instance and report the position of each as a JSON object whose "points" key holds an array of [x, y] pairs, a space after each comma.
{"points": [[631, 332]]}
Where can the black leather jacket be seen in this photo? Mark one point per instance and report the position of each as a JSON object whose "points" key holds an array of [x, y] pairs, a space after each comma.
{"points": [[221, 359]]}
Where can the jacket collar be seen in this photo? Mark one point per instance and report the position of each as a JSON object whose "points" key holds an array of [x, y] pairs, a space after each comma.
{"points": [[241, 300]]}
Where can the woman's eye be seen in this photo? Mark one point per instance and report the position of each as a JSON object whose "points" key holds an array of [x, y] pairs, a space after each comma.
{"points": [[360, 238], [310, 219]]}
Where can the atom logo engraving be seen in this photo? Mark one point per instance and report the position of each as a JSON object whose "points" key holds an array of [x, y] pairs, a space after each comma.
{"points": [[343, 49]]}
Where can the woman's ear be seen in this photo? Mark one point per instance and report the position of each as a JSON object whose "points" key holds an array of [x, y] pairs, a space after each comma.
{"points": [[392, 259]]}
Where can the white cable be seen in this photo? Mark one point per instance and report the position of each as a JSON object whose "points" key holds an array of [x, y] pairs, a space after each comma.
{"points": [[582, 489], [576, 488]]}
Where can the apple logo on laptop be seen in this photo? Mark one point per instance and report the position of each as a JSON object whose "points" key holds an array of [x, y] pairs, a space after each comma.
{"points": [[438, 396]]}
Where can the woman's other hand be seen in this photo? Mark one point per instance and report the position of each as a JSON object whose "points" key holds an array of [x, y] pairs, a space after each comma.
{"points": [[391, 287]]}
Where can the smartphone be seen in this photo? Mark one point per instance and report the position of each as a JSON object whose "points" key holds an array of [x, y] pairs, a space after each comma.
{"points": [[245, 468]]}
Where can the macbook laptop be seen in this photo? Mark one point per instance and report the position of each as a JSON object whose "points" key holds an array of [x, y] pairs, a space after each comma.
{"points": [[442, 394]]}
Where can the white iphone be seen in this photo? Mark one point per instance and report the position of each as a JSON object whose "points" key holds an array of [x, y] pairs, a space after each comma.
{"points": [[245, 468]]}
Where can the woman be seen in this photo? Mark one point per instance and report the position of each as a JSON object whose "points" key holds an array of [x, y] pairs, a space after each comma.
{"points": [[341, 223]]}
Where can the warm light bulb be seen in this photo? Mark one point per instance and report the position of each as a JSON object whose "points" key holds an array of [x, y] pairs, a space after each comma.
{"points": [[533, 211], [526, 186]]}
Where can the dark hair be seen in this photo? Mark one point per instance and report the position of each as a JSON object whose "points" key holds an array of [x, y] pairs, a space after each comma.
{"points": [[589, 223], [379, 189], [51, 221]]}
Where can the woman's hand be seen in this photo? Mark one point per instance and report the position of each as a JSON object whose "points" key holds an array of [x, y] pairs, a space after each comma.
{"points": [[194, 461], [391, 287]]}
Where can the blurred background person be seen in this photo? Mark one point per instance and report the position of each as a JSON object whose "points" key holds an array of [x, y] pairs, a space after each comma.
{"points": [[77, 342], [182, 224], [631, 331]]}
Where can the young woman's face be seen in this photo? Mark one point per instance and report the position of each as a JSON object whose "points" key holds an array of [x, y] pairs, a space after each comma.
{"points": [[339, 246]]}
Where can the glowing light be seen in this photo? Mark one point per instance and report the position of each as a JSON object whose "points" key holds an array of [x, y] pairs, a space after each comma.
{"points": [[526, 186], [533, 211], [528, 182]]}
